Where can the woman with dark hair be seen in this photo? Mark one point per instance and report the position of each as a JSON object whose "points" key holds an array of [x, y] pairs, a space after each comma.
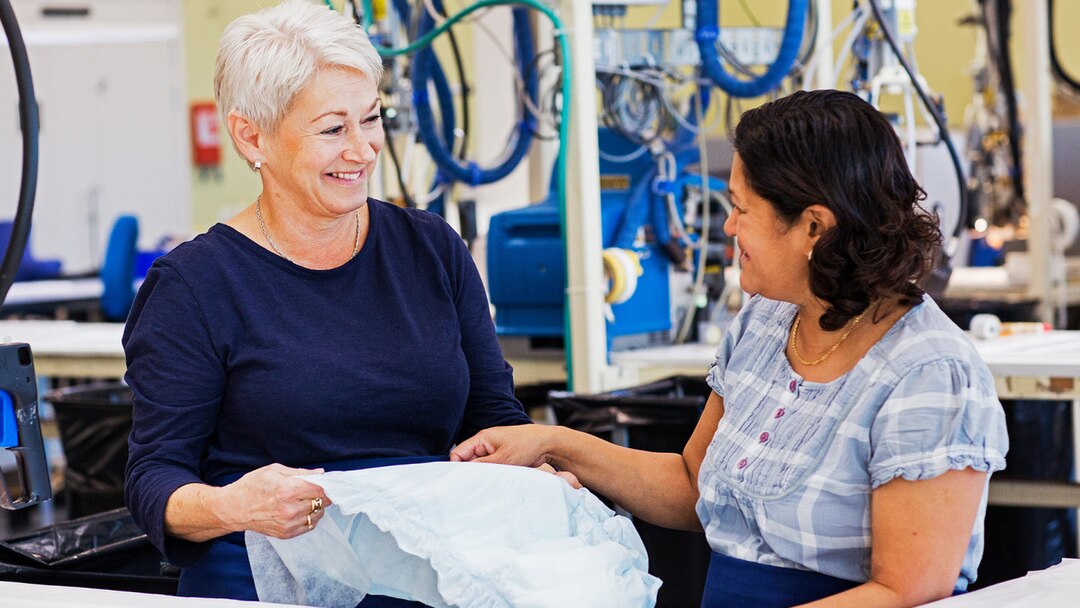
{"points": [[845, 453]]}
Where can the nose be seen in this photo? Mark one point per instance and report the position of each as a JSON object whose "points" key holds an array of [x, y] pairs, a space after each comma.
{"points": [[730, 224], [361, 147]]}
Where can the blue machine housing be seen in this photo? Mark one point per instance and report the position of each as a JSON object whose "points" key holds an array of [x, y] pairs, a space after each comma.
{"points": [[527, 268]]}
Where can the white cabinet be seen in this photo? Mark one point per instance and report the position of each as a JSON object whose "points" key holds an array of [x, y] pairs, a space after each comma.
{"points": [[109, 79]]}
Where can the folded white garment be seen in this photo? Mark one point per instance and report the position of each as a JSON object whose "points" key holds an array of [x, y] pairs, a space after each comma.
{"points": [[471, 535]]}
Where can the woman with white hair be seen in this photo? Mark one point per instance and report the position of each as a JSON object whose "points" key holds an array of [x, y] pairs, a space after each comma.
{"points": [[317, 329]]}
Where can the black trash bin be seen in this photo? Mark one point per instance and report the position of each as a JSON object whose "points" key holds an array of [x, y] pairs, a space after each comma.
{"points": [[101, 551], [94, 421], [1021, 539], [658, 417]]}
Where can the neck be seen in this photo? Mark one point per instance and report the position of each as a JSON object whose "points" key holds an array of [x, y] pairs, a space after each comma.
{"points": [[316, 242]]}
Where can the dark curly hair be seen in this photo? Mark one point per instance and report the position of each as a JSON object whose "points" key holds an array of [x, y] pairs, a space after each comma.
{"points": [[832, 148]]}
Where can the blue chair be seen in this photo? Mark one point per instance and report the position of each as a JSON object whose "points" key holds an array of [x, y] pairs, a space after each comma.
{"points": [[118, 269], [30, 269]]}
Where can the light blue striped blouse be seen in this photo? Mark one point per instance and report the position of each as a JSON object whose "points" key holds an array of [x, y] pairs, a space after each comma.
{"points": [[787, 477]]}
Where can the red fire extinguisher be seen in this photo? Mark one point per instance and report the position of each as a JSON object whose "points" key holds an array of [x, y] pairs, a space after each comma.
{"points": [[205, 136]]}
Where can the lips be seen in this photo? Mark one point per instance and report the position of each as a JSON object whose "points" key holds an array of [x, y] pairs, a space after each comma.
{"points": [[347, 176]]}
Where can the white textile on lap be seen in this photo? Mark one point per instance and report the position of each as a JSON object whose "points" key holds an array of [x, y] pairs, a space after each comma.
{"points": [[447, 534]]}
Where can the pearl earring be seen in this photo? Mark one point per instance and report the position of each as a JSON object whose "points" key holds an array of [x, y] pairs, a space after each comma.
{"points": [[258, 166]]}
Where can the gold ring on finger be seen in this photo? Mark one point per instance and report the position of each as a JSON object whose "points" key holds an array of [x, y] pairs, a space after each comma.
{"points": [[316, 505], [309, 522]]}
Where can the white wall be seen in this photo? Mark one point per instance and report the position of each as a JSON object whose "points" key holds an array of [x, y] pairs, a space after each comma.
{"points": [[110, 86]]}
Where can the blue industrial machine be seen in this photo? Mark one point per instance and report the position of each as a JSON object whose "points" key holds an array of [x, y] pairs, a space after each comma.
{"points": [[526, 259]]}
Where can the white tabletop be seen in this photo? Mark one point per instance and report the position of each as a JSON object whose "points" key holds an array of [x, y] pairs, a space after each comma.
{"points": [[1055, 353], [54, 291], [66, 338], [23, 595], [1055, 587]]}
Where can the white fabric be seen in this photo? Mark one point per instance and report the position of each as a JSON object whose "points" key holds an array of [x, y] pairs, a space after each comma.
{"points": [[447, 534]]}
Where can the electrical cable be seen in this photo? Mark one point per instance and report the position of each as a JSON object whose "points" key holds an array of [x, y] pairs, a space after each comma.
{"points": [[998, 35], [939, 121], [815, 60], [388, 138], [521, 137], [1055, 62], [703, 239], [30, 125], [550, 117], [459, 63]]}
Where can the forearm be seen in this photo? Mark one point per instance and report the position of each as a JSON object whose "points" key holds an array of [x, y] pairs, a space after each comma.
{"points": [[872, 593], [656, 487], [191, 513]]}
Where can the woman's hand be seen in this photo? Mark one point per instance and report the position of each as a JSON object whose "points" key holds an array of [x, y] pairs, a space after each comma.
{"points": [[273, 501], [567, 476], [523, 445]]}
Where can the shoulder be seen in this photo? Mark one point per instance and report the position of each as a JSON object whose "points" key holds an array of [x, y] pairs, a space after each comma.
{"points": [[205, 266], [760, 318], [405, 220], [926, 338], [208, 248]]}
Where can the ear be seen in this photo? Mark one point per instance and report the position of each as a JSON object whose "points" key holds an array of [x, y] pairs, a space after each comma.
{"points": [[818, 220], [247, 136]]}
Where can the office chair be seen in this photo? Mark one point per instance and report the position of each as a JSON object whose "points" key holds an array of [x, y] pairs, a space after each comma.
{"points": [[118, 269], [30, 269]]}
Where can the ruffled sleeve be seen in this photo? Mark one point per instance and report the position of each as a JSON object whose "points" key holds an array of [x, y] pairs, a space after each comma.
{"points": [[940, 416], [717, 372]]}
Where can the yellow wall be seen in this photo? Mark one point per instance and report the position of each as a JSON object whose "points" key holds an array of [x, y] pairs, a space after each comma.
{"points": [[944, 52], [215, 197]]}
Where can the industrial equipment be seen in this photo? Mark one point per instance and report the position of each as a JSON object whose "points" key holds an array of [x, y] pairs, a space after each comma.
{"points": [[20, 431]]}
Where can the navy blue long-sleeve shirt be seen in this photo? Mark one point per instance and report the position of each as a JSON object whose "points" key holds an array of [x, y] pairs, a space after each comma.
{"points": [[239, 358]]}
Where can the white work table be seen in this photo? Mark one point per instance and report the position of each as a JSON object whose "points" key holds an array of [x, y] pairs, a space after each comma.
{"points": [[54, 291], [69, 349], [24, 595], [1056, 587]]}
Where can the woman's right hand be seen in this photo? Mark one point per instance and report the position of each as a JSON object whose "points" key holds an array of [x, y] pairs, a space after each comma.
{"points": [[272, 500]]}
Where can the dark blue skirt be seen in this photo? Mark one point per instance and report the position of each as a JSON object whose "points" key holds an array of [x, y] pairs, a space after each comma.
{"points": [[733, 583], [224, 572]]}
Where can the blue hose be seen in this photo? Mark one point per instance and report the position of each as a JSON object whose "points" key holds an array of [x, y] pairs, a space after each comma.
{"points": [[708, 29], [423, 67], [438, 77], [645, 206]]}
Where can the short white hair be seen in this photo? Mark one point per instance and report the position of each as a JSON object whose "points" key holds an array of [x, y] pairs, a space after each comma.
{"points": [[266, 58]]}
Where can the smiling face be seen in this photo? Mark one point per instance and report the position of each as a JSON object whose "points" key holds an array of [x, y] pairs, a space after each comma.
{"points": [[772, 253], [322, 154]]}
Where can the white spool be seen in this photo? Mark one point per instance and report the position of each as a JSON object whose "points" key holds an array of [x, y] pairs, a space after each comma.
{"points": [[622, 269], [985, 327], [1067, 220]]}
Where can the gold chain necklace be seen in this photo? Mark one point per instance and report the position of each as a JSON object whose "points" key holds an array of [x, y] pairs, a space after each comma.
{"points": [[795, 332], [266, 233]]}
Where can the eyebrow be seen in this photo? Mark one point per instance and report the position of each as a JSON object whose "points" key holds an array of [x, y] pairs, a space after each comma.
{"points": [[344, 113]]}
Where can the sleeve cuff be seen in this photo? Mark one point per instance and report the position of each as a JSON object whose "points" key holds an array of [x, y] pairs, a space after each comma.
{"points": [[986, 461]]}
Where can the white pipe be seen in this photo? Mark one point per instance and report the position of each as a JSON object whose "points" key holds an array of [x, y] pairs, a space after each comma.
{"points": [[825, 77], [587, 342], [1038, 146]]}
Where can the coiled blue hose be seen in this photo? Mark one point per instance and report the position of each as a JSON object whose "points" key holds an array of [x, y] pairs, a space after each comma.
{"points": [[708, 29], [424, 66]]}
